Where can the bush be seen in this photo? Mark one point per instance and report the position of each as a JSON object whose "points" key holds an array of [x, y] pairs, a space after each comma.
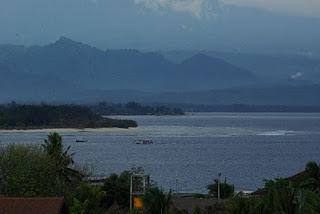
{"points": [[156, 201], [34, 170], [117, 189], [226, 190], [88, 199], [26, 170], [281, 196]]}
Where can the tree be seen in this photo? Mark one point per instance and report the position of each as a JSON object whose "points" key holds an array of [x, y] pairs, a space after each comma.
{"points": [[62, 160], [241, 205], [156, 201], [283, 197], [226, 190], [313, 176], [25, 170], [117, 188], [88, 199]]}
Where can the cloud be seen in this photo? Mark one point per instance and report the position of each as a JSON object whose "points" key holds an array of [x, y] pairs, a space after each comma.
{"points": [[289, 7], [297, 75], [197, 8], [207, 8]]}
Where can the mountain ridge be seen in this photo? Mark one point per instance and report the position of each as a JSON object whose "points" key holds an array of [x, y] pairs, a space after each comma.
{"points": [[70, 71], [93, 68]]}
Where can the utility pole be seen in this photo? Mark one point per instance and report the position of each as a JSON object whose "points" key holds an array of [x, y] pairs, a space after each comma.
{"points": [[131, 188], [176, 185], [219, 175]]}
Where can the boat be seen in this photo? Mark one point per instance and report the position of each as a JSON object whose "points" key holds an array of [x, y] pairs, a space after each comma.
{"points": [[81, 140], [145, 141]]}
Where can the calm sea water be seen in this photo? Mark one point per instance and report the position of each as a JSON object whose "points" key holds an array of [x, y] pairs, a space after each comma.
{"points": [[189, 151]]}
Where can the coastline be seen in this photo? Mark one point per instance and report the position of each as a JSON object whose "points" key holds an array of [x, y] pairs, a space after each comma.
{"points": [[62, 130]]}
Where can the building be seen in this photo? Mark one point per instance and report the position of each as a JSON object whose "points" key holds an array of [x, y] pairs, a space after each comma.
{"points": [[51, 205]]}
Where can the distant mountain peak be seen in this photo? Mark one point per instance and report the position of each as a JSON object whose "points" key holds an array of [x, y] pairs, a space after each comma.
{"points": [[65, 41]]}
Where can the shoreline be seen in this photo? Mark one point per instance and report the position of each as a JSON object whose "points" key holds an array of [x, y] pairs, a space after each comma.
{"points": [[61, 130]]}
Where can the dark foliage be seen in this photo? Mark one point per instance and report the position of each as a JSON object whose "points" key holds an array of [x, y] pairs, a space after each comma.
{"points": [[88, 199], [295, 195], [32, 170], [156, 201], [48, 116], [117, 189], [133, 108], [226, 190]]}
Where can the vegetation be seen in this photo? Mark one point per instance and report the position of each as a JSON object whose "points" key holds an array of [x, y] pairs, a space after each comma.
{"points": [[33, 170], [156, 201], [226, 190], [295, 195], [133, 108], [15, 116], [88, 199], [63, 161], [51, 171], [117, 188]]}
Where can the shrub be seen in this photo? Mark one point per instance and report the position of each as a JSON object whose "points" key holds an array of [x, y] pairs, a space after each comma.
{"points": [[226, 190]]}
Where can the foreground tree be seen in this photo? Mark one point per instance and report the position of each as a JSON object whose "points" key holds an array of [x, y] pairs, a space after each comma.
{"points": [[312, 181], [226, 190], [117, 189], [33, 170], [88, 200], [280, 196], [63, 161], [156, 201], [25, 170]]}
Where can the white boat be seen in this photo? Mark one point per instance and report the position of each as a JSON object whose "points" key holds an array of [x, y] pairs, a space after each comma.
{"points": [[145, 141]]}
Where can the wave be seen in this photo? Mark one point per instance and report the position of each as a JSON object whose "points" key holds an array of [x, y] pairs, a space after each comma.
{"points": [[277, 133]]}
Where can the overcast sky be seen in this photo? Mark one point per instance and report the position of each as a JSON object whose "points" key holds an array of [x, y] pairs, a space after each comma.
{"points": [[238, 25]]}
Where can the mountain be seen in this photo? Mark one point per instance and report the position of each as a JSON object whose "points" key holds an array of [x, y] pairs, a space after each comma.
{"points": [[270, 67], [91, 68], [68, 71], [213, 73]]}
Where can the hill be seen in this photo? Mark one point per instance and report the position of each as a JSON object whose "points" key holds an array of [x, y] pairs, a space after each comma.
{"points": [[67, 71], [65, 116], [87, 67]]}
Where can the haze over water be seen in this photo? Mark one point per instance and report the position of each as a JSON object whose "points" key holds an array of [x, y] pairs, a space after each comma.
{"points": [[189, 151]]}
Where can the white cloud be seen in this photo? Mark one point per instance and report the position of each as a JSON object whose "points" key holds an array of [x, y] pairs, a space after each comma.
{"points": [[196, 8], [290, 7], [297, 75], [204, 8]]}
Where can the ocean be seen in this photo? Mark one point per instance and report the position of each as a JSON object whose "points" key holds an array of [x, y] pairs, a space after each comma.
{"points": [[189, 151]]}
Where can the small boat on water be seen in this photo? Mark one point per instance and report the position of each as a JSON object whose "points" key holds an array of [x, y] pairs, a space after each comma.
{"points": [[81, 140], [145, 141]]}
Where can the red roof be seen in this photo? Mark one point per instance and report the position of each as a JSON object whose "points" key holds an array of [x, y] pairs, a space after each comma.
{"points": [[52, 205]]}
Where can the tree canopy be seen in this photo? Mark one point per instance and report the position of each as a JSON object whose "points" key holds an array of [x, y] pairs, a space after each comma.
{"points": [[15, 116]]}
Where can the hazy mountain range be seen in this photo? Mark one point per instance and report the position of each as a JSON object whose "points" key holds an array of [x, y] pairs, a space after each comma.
{"points": [[69, 71]]}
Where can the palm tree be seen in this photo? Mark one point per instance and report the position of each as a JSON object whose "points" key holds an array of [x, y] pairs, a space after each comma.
{"points": [[63, 161]]}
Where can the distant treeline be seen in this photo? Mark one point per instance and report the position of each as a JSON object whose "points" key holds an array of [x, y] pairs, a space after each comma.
{"points": [[133, 108], [245, 108], [14, 116]]}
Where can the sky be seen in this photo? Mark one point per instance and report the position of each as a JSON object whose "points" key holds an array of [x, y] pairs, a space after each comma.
{"points": [[223, 25]]}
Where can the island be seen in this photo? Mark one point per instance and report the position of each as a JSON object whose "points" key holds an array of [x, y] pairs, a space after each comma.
{"points": [[133, 108], [25, 117]]}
